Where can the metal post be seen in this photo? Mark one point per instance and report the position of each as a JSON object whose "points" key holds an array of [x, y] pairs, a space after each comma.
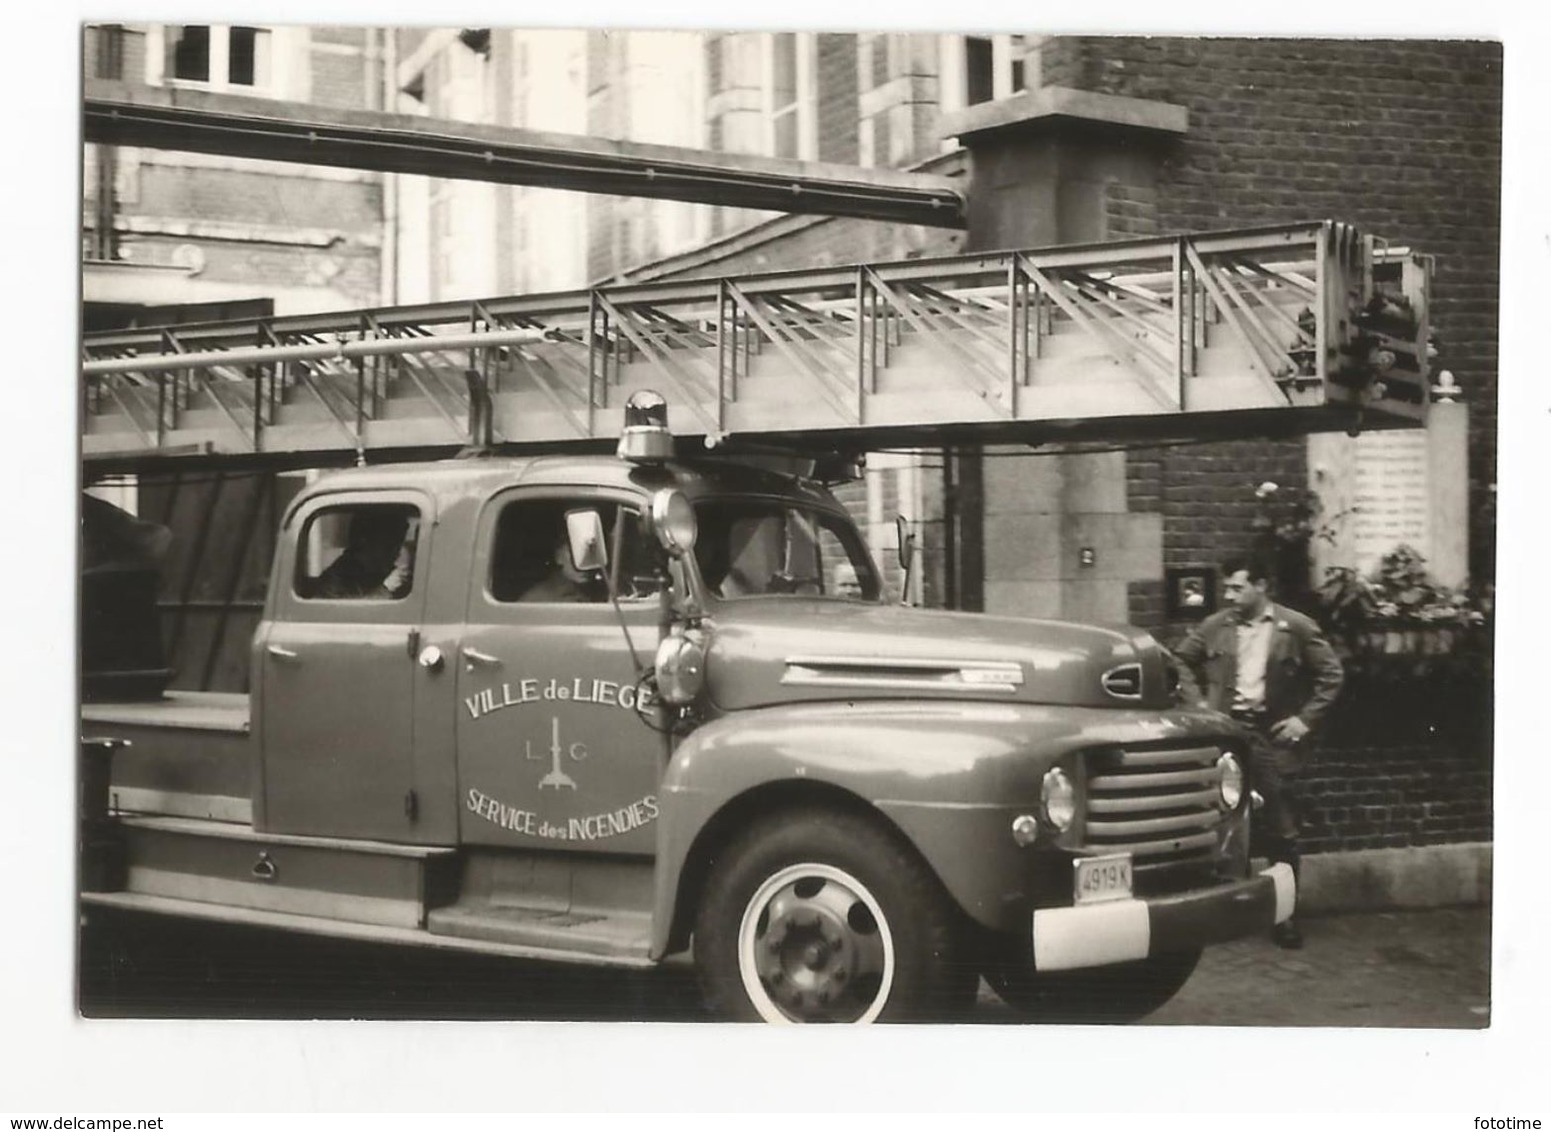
{"points": [[1023, 301], [863, 384], [721, 354], [1322, 311], [1012, 336], [1181, 330]]}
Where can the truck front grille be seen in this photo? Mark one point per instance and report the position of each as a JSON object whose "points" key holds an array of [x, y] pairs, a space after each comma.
{"points": [[1157, 803]]}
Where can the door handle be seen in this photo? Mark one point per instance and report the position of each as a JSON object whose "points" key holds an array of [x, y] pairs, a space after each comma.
{"points": [[474, 656], [282, 653]]}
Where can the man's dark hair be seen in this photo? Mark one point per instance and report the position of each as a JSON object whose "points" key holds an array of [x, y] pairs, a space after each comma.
{"points": [[1236, 562], [378, 526]]}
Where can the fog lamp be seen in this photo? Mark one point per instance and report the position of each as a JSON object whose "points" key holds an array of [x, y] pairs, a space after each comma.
{"points": [[1025, 829], [1058, 798], [1230, 781], [680, 666]]}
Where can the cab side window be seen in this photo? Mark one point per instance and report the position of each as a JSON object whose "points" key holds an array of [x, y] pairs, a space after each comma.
{"points": [[530, 554], [358, 552]]}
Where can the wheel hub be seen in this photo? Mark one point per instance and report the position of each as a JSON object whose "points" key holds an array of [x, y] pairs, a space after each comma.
{"points": [[813, 938]]}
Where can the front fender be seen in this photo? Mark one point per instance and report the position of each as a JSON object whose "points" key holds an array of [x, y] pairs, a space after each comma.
{"points": [[949, 776]]}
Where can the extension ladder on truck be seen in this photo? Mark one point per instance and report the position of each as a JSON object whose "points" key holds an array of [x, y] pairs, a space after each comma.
{"points": [[1272, 330]]}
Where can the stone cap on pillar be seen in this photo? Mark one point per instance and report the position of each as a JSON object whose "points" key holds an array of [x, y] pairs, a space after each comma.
{"points": [[1056, 103]]}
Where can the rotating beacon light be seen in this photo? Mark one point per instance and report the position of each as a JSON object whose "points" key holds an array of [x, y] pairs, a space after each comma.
{"points": [[646, 439]]}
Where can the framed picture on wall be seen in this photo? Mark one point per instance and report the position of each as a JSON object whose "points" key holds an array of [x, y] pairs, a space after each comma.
{"points": [[1190, 592]]}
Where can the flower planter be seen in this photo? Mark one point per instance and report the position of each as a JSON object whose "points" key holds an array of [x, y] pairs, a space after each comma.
{"points": [[1404, 638]]}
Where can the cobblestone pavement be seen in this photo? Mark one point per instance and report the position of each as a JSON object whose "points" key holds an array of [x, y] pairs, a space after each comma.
{"points": [[1429, 968], [1390, 969]]}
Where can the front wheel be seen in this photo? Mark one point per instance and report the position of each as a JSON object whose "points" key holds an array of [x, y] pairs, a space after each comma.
{"points": [[823, 916], [1120, 992]]}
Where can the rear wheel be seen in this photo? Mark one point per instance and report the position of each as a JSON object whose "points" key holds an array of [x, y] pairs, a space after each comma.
{"points": [[823, 916], [1120, 992]]}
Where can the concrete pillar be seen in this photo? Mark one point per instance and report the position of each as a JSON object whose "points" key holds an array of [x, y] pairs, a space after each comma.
{"points": [[1332, 463], [1448, 491], [1057, 538], [1431, 494]]}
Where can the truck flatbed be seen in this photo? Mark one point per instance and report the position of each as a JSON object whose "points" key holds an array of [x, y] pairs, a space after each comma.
{"points": [[198, 711], [187, 754]]}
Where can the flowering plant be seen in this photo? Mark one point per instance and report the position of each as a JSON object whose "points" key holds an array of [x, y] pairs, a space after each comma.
{"points": [[1288, 517], [1287, 520], [1399, 590], [1417, 653]]}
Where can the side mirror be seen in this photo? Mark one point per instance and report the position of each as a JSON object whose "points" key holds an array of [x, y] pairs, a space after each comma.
{"points": [[589, 546], [904, 546], [904, 541]]}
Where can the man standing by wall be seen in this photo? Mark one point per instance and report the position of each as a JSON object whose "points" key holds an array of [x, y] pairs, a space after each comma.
{"points": [[1271, 669]]}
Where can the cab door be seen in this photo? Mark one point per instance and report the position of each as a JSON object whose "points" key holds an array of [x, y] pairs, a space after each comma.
{"points": [[337, 722], [555, 747]]}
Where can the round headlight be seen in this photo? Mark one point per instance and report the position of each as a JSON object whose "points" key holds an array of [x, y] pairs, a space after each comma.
{"points": [[673, 522], [1058, 798], [680, 668], [1230, 781]]}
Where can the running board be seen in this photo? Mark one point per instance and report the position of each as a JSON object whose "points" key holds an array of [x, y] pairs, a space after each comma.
{"points": [[604, 935], [345, 929]]}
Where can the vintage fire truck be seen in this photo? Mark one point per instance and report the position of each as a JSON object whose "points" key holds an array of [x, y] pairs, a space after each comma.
{"points": [[613, 707]]}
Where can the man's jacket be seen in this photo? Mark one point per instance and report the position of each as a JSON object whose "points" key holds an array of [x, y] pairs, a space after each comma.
{"points": [[1303, 674]]}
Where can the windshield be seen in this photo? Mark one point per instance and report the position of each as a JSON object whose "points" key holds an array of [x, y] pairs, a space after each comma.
{"points": [[755, 547]]}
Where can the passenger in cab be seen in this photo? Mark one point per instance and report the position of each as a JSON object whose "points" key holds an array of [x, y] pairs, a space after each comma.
{"points": [[562, 581], [376, 560]]}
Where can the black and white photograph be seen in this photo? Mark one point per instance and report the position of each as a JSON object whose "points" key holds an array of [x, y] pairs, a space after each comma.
{"points": [[991, 529]]}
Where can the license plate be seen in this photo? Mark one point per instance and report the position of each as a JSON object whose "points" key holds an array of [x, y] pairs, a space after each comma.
{"points": [[1102, 878]]}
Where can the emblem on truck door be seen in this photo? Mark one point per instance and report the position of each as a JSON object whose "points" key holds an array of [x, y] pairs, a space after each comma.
{"points": [[557, 778]]}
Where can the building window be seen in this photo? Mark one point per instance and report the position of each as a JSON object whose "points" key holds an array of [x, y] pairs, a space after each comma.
{"points": [[979, 69], [222, 58], [982, 68], [790, 95]]}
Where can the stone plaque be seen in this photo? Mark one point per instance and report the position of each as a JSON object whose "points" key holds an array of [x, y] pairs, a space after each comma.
{"points": [[1389, 496]]}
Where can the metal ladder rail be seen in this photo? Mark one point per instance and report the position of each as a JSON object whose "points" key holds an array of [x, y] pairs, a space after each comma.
{"points": [[968, 310], [572, 306]]}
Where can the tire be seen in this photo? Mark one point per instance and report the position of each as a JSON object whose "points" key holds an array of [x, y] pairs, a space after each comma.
{"points": [[1119, 992], [824, 916]]}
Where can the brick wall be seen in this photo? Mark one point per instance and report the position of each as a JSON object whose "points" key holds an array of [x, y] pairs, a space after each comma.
{"points": [[1130, 210], [1145, 601], [1207, 493], [1389, 797], [1400, 137]]}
